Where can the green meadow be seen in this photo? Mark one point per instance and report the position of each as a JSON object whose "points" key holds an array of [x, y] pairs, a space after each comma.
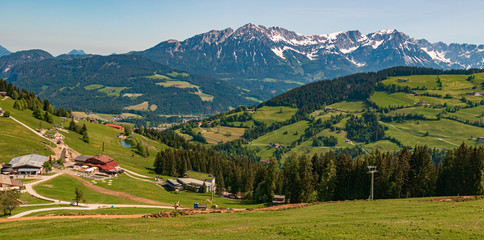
{"points": [[380, 219]]}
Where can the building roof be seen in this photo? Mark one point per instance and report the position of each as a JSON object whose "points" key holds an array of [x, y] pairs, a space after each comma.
{"points": [[193, 181], [103, 158], [106, 167], [7, 180], [28, 169], [114, 126], [82, 158], [32, 160], [173, 182]]}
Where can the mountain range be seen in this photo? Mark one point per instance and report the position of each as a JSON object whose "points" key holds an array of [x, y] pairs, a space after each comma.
{"points": [[3, 51], [254, 51], [255, 62]]}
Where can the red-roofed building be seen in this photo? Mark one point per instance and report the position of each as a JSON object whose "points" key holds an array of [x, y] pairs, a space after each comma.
{"points": [[115, 126], [104, 163]]}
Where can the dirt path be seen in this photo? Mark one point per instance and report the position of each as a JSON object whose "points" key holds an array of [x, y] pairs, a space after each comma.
{"points": [[117, 194], [60, 217]]}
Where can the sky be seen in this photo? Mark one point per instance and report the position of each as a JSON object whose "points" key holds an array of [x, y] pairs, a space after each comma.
{"points": [[106, 27]]}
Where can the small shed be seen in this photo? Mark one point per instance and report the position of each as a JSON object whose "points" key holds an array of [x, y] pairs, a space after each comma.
{"points": [[278, 199]]}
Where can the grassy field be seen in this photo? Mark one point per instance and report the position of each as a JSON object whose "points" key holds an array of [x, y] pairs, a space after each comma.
{"points": [[284, 135], [381, 219], [28, 208], [222, 133], [117, 211], [112, 91], [16, 140], [151, 191], [29, 199], [425, 111], [93, 86], [471, 114], [454, 85], [177, 84], [269, 115], [383, 99], [349, 106], [142, 106], [62, 188], [132, 95], [450, 133]]}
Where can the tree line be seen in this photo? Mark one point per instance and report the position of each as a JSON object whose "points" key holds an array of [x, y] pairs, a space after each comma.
{"points": [[333, 176]]}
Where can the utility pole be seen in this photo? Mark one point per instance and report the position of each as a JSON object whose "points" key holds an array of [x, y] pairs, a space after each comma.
{"points": [[372, 170]]}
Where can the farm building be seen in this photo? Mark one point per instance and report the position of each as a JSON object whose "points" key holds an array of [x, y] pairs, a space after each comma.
{"points": [[80, 160], [477, 94], [402, 80], [174, 184], [193, 181], [29, 164], [115, 126], [278, 199], [104, 163], [3, 94], [7, 182]]}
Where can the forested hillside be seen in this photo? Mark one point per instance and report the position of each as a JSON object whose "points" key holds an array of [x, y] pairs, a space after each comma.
{"points": [[125, 83], [386, 110]]}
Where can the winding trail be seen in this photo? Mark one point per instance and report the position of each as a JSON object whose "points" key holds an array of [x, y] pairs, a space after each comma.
{"points": [[29, 128], [30, 189]]}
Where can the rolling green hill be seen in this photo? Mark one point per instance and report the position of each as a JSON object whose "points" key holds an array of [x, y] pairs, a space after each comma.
{"points": [[125, 83], [441, 109]]}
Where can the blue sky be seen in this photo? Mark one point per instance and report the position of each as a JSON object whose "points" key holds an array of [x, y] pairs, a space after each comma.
{"points": [[104, 27]]}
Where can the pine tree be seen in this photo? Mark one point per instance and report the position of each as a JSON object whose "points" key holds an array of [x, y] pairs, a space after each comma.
{"points": [[401, 173], [422, 176]]}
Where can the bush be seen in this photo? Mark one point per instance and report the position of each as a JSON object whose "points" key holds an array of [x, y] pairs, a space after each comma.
{"points": [[6, 114]]}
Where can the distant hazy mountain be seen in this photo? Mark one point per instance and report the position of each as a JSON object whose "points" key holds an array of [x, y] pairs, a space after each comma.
{"points": [[8, 62], [76, 52], [257, 52], [3, 51]]}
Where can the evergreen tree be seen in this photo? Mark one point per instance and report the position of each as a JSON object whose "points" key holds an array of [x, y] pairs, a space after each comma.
{"points": [[422, 172], [85, 137]]}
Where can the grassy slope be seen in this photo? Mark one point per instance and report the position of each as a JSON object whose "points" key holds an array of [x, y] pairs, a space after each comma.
{"points": [[385, 219], [97, 133], [117, 211], [151, 191], [62, 188], [269, 115], [16, 140]]}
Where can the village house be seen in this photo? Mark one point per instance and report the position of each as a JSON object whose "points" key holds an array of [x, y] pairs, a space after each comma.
{"points": [[3, 94], [7, 183], [80, 160], [28, 165], [477, 94], [193, 181], [402, 80], [115, 126], [102, 162], [422, 103]]}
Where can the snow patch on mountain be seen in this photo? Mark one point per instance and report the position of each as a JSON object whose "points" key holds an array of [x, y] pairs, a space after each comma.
{"points": [[279, 52], [437, 56]]}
